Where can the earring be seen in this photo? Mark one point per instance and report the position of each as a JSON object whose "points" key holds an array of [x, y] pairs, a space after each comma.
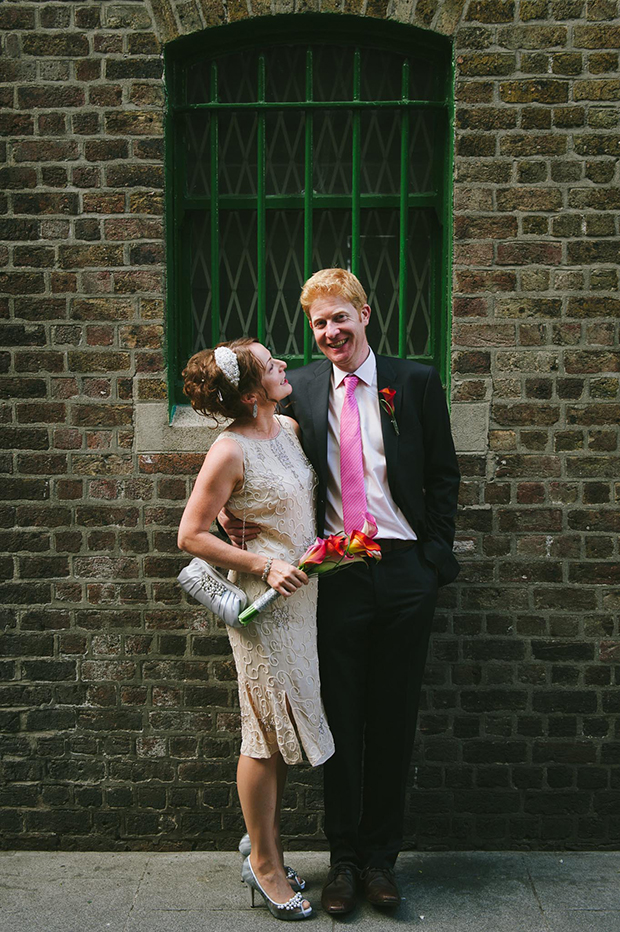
{"points": [[255, 410]]}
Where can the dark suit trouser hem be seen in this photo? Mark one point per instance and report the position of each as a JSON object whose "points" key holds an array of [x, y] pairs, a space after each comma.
{"points": [[373, 627]]}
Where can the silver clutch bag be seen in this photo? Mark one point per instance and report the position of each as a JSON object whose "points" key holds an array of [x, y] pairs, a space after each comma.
{"points": [[203, 582]]}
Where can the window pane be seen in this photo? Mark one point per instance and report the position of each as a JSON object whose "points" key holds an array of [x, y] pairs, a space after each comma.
{"points": [[381, 75], [285, 143], [238, 281], [198, 151], [380, 162], [379, 237], [237, 152], [199, 83], [285, 73], [331, 240], [423, 79], [333, 139], [332, 71], [423, 229], [422, 127], [285, 250], [237, 78], [200, 278]]}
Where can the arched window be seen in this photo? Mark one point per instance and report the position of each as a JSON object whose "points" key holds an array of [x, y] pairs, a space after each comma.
{"points": [[301, 142]]}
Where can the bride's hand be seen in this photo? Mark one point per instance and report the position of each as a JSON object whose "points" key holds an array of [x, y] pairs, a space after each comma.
{"points": [[285, 578]]}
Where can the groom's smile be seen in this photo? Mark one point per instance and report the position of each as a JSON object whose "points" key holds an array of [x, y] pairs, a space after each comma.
{"points": [[340, 331]]}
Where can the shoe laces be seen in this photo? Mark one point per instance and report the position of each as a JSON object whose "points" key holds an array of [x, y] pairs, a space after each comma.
{"points": [[343, 867], [386, 872]]}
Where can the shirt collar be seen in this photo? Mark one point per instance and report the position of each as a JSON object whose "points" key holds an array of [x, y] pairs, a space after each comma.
{"points": [[367, 372]]}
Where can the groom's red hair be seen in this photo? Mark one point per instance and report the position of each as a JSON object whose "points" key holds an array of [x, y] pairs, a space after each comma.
{"points": [[333, 283]]}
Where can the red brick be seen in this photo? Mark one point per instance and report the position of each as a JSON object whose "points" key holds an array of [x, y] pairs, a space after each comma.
{"points": [[171, 463], [45, 150], [54, 44], [521, 466], [79, 257], [473, 227], [132, 228], [540, 90], [529, 254], [595, 361], [473, 282], [484, 334]]}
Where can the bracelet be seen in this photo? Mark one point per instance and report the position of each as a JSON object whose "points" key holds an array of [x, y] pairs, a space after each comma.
{"points": [[267, 569]]}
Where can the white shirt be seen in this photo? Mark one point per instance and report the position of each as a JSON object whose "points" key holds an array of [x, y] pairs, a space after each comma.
{"points": [[391, 522]]}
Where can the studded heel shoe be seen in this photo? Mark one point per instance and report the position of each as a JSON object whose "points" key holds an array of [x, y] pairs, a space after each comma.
{"points": [[297, 883], [290, 911]]}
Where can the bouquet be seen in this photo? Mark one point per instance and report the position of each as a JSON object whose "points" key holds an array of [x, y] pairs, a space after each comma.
{"points": [[325, 555]]}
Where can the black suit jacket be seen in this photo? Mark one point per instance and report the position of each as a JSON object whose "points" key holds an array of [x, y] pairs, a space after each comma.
{"points": [[422, 470]]}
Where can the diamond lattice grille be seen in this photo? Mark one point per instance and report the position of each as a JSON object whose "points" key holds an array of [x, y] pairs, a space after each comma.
{"points": [[237, 78], [270, 236], [198, 147], [285, 277], [380, 147], [237, 152], [200, 277], [333, 134], [285, 132], [238, 278], [381, 75], [421, 149], [419, 253], [379, 242], [332, 239], [285, 70], [333, 73], [199, 83]]}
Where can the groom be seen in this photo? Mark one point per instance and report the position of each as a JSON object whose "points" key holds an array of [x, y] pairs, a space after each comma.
{"points": [[393, 462], [374, 621]]}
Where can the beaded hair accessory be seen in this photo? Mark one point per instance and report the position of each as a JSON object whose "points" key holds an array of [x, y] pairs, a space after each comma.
{"points": [[227, 361]]}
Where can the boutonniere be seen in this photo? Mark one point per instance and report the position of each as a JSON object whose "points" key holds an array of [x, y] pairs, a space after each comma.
{"points": [[387, 403]]}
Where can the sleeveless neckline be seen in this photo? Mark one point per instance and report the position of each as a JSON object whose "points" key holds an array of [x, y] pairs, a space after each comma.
{"points": [[256, 439]]}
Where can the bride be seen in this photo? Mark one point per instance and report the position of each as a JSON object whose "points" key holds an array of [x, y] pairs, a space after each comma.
{"points": [[257, 468]]}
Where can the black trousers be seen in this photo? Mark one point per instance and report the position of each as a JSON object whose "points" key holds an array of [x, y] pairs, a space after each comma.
{"points": [[374, 625]]}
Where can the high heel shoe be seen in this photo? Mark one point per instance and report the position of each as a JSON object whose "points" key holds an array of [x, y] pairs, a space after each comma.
{"points": [[297, 883], [292, 910]]}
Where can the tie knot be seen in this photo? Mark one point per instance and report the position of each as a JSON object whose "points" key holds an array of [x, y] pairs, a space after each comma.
{"points": [[350, 382]]}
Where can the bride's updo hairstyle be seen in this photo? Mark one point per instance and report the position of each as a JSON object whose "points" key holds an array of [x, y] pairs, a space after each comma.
{"points": [[209, 382]]}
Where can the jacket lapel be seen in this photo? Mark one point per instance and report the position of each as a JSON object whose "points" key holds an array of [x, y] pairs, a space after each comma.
{"points": [[387, 378], [319, 388]]}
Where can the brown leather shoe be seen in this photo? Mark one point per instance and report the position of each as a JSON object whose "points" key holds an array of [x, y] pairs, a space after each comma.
{"points": [[380, 886], [339, 894]]}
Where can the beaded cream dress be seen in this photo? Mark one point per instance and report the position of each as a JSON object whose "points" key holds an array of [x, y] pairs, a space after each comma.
{"points": [[276, 655]]}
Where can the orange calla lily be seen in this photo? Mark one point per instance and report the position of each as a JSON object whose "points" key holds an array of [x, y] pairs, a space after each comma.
{"points": [[325, 555], [361, 544]]}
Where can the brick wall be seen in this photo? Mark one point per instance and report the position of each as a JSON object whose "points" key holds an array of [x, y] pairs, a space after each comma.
{"points": [[117, 699]]}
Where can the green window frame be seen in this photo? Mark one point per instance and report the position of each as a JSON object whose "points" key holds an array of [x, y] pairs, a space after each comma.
{"points": [[299, 142]]}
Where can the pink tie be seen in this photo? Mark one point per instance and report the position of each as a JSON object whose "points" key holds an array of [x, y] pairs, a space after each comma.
{"points": [[354, 505]]}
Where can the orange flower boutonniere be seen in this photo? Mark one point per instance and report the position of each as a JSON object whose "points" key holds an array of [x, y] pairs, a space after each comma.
{"points": [[387, 403]]}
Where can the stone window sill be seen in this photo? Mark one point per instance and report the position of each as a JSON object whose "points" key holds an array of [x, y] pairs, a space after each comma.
{"points": [[190, 432]]}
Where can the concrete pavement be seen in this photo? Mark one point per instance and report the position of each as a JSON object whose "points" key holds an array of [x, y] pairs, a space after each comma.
{"points": [[201, 892]]}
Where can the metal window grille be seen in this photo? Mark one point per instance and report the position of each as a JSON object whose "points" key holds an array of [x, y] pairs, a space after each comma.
{"points": [[288, 157]]}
